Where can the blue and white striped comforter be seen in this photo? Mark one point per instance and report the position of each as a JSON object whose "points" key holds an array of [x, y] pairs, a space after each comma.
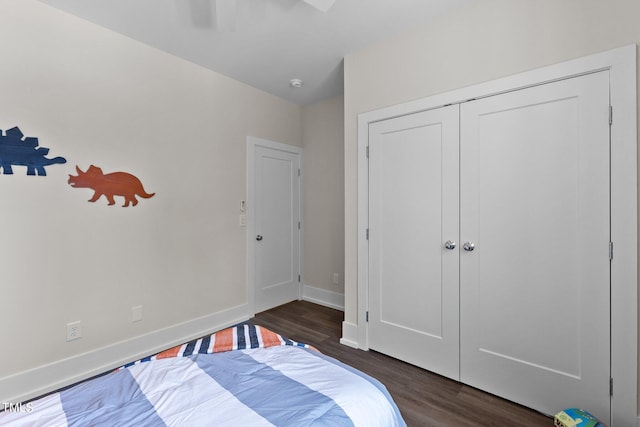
{"points": [[282, 386]]}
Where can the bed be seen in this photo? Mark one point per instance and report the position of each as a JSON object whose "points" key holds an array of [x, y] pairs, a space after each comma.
{"points": [[245, 375]]}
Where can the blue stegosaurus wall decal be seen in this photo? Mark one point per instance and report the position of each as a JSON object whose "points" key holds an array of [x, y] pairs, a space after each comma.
{"points": [[18, 150]]}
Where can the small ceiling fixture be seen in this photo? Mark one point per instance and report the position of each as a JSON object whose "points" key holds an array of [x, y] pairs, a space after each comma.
{"points": [[295, 83]]}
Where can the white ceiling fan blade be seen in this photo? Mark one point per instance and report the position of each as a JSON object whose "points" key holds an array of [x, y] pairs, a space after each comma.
{"points": [[322, 5], [201, 13], [226, 15]]}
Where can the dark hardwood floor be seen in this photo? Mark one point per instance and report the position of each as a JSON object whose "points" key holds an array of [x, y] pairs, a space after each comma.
{"points": [[424, 398]]}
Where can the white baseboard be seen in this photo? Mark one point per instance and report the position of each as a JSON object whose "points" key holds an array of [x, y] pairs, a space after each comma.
{"points": [[349, 335], [323, 297], [53, 376]]}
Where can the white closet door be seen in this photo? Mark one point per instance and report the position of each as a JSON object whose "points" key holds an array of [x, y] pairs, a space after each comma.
{"points": [[535, 313], [413, 211]]}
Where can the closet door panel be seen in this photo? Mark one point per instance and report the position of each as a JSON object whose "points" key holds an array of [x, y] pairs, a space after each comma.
{"points": [[414, 282], [535, 203]]}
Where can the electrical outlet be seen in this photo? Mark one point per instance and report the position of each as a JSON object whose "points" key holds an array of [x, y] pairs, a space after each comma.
{"points": [[74, 330], [136, 313], [242, 220], [336, 278]]}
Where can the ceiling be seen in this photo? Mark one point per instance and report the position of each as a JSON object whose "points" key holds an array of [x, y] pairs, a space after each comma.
{"points": [[265, 43]]}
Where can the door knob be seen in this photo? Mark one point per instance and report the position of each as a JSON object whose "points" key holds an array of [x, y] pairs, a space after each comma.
{"points": [[258, 237], [468, 246], [449, 245]]}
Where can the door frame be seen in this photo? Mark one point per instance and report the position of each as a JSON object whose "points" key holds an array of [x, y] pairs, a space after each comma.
{"points": [[621, 64], [253, 143]]}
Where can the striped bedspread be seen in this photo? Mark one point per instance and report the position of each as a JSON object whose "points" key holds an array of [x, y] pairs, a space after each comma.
{"points": [[242, 376], [239, 337]]}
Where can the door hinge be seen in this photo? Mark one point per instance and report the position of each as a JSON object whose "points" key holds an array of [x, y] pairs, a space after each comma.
{"points": [[367, 234], [610, 115], [298, 278], [367, 316], [298, 225], [298, 171], [610, 251], [610, 386], [367, 151]]}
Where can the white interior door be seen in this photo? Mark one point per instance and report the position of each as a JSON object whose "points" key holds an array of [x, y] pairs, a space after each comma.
{"points": [[276, 230], [535, 290], [413, 211]]}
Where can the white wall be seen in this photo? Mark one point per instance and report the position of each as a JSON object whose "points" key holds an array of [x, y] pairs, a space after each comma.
{"points": [[323, 136], [484, 41], [95, 97]]}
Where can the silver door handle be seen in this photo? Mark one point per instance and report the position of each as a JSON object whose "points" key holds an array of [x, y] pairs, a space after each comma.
{"points": [[468, 246], [258, 237], [450, 245]]}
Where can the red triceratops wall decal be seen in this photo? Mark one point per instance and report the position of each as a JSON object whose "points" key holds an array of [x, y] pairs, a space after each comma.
{"points": [[111, 184]]}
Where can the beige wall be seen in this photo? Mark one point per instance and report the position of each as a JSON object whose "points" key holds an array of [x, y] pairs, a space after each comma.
{"points": [[484, 41], [323, 130], [96, 97]]}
